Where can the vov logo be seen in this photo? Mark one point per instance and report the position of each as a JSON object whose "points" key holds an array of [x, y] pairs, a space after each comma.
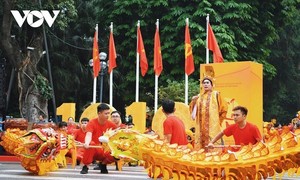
{"points": [[38, 16]]}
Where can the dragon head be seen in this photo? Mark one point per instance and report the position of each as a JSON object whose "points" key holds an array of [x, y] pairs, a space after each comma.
{"points": [[39, 144]]}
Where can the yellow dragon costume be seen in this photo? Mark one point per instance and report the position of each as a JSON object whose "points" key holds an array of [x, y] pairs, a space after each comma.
{"points": [[39, 150], [279, 155]]}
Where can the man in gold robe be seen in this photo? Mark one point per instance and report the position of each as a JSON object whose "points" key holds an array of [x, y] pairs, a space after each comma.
{"points": [[209, 111]]}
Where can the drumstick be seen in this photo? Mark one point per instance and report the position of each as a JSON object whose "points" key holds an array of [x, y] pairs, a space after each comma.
{"points": [[91, 146], [223, 146], [80, 144]]}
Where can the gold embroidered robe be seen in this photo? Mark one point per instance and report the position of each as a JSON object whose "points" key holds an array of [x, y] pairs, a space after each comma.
{"points": [[211, 111]]}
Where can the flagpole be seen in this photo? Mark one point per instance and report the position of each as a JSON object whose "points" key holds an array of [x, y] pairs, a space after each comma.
{"points": [[111, 76], [207, 50], [94, 90], [186, 76], [156, 80], [137, 66], [156, 93], [95, 78], [186, 89]]}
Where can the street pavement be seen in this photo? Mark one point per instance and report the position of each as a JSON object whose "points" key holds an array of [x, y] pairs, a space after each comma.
{"points": [[14, 171]]}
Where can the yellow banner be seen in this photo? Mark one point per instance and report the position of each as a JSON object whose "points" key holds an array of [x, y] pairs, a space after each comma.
{"points": [[240, 83]]}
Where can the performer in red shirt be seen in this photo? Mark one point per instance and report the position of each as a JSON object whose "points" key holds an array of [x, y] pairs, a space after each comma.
{"points": [[116, 118], [174, 129], [243, 132], [95, 128], [71, 126], [79, 135]]}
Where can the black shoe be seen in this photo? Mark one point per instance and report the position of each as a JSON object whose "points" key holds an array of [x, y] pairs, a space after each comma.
{"points": [[103, 169], [84, 170]]}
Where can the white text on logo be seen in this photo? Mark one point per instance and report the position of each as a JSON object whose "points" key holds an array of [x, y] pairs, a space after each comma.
{"points": [[40, 15]]}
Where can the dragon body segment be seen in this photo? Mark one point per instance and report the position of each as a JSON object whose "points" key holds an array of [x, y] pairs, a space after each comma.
{"points": [[41, 150], [279, 155]]}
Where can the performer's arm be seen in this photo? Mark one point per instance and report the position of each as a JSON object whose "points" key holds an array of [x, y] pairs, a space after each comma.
{"points": [[193, 107], [87, 140], [257, 135], [168, 137], [216, 138], [193, 102], [223, 107]]}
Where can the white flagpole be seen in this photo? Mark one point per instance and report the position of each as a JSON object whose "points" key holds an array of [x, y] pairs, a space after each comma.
{"points": [[137, 67], [186, 76], [111, 76], [94, 90], [156, 93], [111, 88], [95, 78], [186, 89], [207, 50], [156, 80]]}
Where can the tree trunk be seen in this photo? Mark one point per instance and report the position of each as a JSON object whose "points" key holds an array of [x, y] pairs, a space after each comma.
{"points": [[31, 102]]}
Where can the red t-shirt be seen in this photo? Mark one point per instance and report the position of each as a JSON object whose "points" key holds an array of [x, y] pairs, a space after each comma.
{"points": [[249, 134], [122, 126], [79, 135], [71, 128], [98, 130], [175, 127]]}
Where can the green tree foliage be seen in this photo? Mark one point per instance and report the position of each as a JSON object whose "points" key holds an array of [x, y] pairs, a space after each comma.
{"points": [[42, 85], [175, 90], [33, 88], [249, 30], [245, 31], [282, 93], [70, 51]]}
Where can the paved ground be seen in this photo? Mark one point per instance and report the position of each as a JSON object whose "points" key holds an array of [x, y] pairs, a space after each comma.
{"points": [[14, 171]]}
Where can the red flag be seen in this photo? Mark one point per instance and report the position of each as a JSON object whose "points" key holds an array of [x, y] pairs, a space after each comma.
{"points": [[189, 58], [142, 53], [158, 66], [213, 46], [96, 61], [112, 53]]}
